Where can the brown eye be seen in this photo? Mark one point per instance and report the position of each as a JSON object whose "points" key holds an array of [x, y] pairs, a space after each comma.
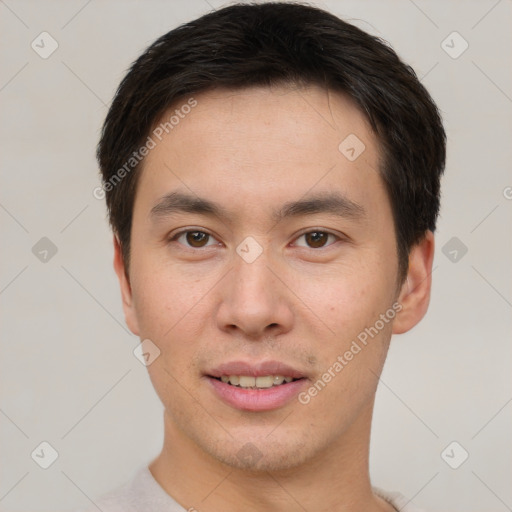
{"points": [[316, 239], [197, 238]]}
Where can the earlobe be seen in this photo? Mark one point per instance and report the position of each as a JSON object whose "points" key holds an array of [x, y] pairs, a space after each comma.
{"points": [[414, 295], [126, 290]]}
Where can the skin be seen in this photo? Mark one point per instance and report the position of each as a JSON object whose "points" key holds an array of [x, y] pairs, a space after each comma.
{"points": [[300, 302]]}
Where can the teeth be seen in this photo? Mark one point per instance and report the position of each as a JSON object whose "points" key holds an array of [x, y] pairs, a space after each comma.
{"points": [[246, 382], [277, 379], [265, 382], [262, 382]]}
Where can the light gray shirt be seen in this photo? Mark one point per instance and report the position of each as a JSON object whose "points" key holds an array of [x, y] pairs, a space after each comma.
{"points": [[144, 494]]}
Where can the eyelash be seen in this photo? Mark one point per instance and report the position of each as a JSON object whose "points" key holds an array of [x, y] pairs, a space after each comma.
{"points": [[177, 235]]}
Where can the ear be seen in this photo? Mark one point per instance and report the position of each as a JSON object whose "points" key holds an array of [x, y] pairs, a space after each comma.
{"points": [[415, 292], [126, 290]]}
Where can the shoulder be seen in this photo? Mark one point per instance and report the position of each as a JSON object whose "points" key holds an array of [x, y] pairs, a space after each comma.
{"points": [[119, 499], [397, 500], [141, 493]]}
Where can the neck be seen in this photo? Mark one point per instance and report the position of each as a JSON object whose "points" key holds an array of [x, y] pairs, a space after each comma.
{"points": [[335, 480]]}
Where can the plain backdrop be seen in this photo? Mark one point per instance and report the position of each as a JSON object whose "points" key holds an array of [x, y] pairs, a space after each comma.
{"points": [[68, 373]]}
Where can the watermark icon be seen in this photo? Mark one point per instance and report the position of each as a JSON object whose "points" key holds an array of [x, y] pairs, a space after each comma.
{"points": [[351, 147], [44, 455], [146, 352], [507, 192], [355, 348], [44, 250], [249, 454], [137, 156], [44, 45], [454, 455], [249, 250], [454, 249], [454, 45]]}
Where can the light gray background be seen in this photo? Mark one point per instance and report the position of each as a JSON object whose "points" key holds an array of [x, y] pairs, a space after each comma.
{"points": [[68, 374]]}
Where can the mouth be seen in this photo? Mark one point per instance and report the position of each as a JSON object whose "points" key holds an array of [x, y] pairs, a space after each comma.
{"points": [[251, 382], [256, 387]]}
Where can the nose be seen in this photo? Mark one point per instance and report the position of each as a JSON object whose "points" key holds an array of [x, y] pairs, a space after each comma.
{"points": [[255, 300]]}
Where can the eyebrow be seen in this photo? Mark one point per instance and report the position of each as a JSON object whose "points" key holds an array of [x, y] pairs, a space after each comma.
{"points": [[328, 202], [179, 202], [333, 203]]}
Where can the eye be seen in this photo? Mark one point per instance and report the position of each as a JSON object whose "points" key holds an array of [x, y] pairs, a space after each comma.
{"points": [[316, 239], [194, 239]]}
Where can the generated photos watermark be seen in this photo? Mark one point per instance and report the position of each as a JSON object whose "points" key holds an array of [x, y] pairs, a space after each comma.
{"points": [[136, 157], [355, 348]]}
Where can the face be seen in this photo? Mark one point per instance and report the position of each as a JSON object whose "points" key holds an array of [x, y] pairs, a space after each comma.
{"points": [[263, 249]]}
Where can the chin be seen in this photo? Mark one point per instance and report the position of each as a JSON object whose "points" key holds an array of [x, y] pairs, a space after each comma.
{"points": [[261, 455]]}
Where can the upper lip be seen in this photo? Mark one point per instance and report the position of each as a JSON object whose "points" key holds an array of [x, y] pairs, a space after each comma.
{"points": [[255, 369]]}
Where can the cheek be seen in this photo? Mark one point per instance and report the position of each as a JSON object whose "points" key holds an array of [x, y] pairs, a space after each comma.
{"points": [[352, 357], [350, 303], [172, 311], [165, 299], [346, 299], [172, 314]]}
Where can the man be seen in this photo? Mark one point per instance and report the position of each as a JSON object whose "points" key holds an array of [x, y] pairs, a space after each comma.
{"points": [[272, 178]]}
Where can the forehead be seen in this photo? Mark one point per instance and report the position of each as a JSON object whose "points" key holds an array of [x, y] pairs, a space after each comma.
{"points": [[260, 144]]}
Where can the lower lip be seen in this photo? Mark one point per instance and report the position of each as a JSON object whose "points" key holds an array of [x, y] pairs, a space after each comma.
{"points": [[265, 399]]}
